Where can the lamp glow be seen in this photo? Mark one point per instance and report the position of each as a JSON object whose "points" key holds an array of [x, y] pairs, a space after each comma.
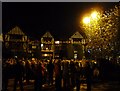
{"points": [[94, 15], [86, 20]]}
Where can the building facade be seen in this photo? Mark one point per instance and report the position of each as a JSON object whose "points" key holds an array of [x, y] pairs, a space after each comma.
{"points": [[77, 46], [18, 44], [47, 46], [15, 43]]}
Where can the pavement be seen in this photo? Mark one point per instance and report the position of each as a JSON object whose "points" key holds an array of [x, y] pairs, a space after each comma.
{"points": [[99, 86]]}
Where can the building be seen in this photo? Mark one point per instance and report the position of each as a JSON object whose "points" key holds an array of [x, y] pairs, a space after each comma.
{"points": [[58, 48], [47, 46], [16, 43], [76, 45], [33, 49]]}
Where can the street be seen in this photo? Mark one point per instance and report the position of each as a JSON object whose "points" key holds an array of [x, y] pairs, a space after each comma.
{"points": [[100, 86]]}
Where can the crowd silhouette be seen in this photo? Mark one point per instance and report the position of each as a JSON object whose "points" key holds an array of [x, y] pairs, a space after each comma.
{"points": [[63, 74]]}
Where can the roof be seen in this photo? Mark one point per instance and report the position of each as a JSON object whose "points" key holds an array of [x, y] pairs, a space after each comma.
{"points": [[16, 30], [47, 34], [77, 35]]}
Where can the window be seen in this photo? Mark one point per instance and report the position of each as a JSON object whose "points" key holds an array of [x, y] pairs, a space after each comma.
{"points": [[75, 56], [34, 47]]}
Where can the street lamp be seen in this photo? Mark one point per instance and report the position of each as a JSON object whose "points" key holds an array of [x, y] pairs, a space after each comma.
{"points": [[86, 20], [94, 15], [101, 28], [90, 24]]}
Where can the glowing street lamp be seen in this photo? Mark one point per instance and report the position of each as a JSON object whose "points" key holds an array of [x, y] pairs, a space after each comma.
{"points": [[86, 20], [94, 15], [91, 24]]}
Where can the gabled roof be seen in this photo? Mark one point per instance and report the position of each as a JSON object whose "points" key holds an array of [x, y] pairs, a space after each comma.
{"points": [[77, 35], [47, 34], [16, 30]]}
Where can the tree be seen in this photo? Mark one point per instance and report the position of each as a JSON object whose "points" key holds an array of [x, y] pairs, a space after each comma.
{"points": [[102, 31]]}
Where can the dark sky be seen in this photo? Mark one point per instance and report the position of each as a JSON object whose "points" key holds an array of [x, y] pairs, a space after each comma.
{"points": [[35, 18]]}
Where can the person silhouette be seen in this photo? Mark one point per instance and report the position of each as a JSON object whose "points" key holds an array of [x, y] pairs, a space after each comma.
{"points": [[50, 68], [19, 73], [88, 76], [38, 77]]}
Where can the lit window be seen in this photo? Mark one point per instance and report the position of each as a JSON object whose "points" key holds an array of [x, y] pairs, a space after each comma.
{"points": [[75, 56], [45, 54], [95, 62], [41, 45], [33, 58], [57, 42], [75, 51], [33, 47]]}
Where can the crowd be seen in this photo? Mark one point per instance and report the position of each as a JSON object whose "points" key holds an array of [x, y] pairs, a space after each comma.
{"points": [[66, 74]]}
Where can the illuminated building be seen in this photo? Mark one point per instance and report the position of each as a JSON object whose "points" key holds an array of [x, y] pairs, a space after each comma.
{"points": [[47, 46], [17, 43], [77, 47]]}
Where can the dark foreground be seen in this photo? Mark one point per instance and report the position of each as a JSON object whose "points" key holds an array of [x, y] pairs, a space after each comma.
{"points": [[99, 86]]}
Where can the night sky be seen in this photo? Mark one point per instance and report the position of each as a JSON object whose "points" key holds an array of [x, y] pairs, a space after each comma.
{"points": [[35, 18]]}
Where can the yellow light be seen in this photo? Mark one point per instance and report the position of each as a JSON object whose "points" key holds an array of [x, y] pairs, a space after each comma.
{"points": [[95, 62], [57, 42], [33, 58], [33, 47], [94, 15], [1, 37], [41, 45], [86, 20], [45, 55]]}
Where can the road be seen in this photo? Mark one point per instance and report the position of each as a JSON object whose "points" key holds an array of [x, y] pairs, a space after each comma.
{"points": [[100, 86]]}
